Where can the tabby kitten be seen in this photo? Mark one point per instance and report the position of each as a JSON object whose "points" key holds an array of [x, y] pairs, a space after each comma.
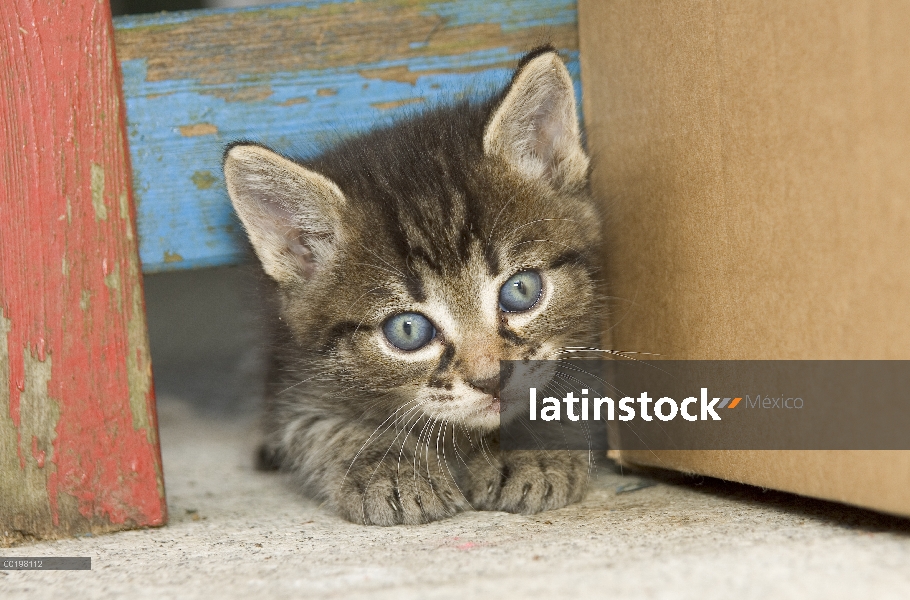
{"points": [[407, 263]]}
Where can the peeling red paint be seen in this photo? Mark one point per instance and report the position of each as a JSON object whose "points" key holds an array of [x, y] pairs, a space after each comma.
{"points": [[63, 117]]}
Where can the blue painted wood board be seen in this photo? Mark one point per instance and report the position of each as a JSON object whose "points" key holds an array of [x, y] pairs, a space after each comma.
{"points": [[296, 77]]}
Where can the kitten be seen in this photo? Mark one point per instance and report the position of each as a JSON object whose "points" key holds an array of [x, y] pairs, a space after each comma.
{"points": [[407, 263]]}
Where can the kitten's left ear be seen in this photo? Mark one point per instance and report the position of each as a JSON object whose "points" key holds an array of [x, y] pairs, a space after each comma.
{"points": [[291, 214], [535, 127]]}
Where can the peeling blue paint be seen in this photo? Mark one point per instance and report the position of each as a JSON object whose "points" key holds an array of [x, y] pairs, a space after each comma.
{"points": [[510, 15]]}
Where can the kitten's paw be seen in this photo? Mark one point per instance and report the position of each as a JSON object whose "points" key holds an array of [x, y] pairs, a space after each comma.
{"points": [[528, 482], [395, 493], [487, 474]]}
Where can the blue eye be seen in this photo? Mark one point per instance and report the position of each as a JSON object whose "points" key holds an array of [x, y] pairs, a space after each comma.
{"points": [[520, 292], [409, 331]]}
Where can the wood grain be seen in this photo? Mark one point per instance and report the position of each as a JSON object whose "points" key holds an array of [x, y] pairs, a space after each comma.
{"points": [[296, 77], [78, 438]]}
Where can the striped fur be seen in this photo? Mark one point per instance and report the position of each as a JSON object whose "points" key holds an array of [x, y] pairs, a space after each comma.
{"points": [[431, 214]]}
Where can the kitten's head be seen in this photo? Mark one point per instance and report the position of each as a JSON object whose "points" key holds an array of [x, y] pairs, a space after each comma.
{"points": [[412, 259]]}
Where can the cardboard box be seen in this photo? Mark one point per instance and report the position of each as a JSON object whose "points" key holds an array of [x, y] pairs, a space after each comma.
{"points": [[755, 161]]}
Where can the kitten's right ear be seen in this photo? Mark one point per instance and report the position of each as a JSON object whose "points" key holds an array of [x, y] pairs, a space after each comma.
{"points": [[290, 213], [535, 127]]}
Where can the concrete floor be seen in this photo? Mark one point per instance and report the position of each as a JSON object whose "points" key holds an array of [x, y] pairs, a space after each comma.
{"points": [[238, 533]]}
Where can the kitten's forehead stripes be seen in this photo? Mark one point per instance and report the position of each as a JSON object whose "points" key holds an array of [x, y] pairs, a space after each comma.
{"points": [[432, 202]]}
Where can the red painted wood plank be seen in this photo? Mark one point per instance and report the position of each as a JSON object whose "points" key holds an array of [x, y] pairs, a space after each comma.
{"points": [[78, 434]]}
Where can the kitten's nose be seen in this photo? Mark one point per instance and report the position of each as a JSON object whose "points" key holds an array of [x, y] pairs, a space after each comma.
{"points": [[487, 386]]}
